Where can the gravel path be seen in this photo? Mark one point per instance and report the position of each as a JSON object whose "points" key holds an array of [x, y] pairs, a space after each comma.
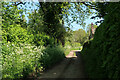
{"points": [[70, 68]]}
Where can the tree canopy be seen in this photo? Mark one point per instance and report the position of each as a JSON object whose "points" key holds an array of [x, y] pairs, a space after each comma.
{"points": [[80, 36]]}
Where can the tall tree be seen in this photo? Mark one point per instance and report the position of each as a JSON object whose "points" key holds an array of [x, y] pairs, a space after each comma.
{"points": [[80, 36], [56, 13]]}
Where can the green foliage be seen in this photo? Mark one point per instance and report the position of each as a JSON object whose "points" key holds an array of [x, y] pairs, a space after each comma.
{"points": [[10, 16], [80, 36], [38, 26], [11, 25], [19, 61], [20, 58], [17, 34], [54, 14], [42, 39], [51, 56], [102, 56], [35, 24], [69, 46], [25, 59]]}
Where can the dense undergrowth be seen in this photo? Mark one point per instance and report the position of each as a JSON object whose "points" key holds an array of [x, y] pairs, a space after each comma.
{"points": [[25, 52], [51, 56], [102, 54], [24, 60], [20, 61]]}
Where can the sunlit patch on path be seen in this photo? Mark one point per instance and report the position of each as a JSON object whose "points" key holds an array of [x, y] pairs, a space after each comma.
{"points": [[72, 54]]}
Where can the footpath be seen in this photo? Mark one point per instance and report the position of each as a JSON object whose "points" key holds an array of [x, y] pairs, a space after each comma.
{"points": [[70, 68]]}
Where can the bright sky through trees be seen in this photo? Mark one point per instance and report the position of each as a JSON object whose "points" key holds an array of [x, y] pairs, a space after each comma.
{"points": [[74, 24]]}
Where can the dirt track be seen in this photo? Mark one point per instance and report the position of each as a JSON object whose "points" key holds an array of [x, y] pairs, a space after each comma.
{"points": [[71, 67]]}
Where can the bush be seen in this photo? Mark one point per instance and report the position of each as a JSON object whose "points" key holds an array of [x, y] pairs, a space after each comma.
{"points": [[42, 39], [102, 55], [19, 61], [17, 35], [25, 59], [52, 55]]}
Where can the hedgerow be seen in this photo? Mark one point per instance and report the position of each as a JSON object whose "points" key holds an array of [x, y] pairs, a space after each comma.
{"points": [[102, 55]]}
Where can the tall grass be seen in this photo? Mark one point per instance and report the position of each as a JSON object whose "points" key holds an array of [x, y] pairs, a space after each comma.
{"points": [[51, 56]]}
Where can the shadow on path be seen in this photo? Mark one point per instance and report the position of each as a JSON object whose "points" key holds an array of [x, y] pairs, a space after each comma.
{"points": [[70, 68]]}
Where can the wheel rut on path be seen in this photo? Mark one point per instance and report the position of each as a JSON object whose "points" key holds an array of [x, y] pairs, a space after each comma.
{"points": [[71, 67]]}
